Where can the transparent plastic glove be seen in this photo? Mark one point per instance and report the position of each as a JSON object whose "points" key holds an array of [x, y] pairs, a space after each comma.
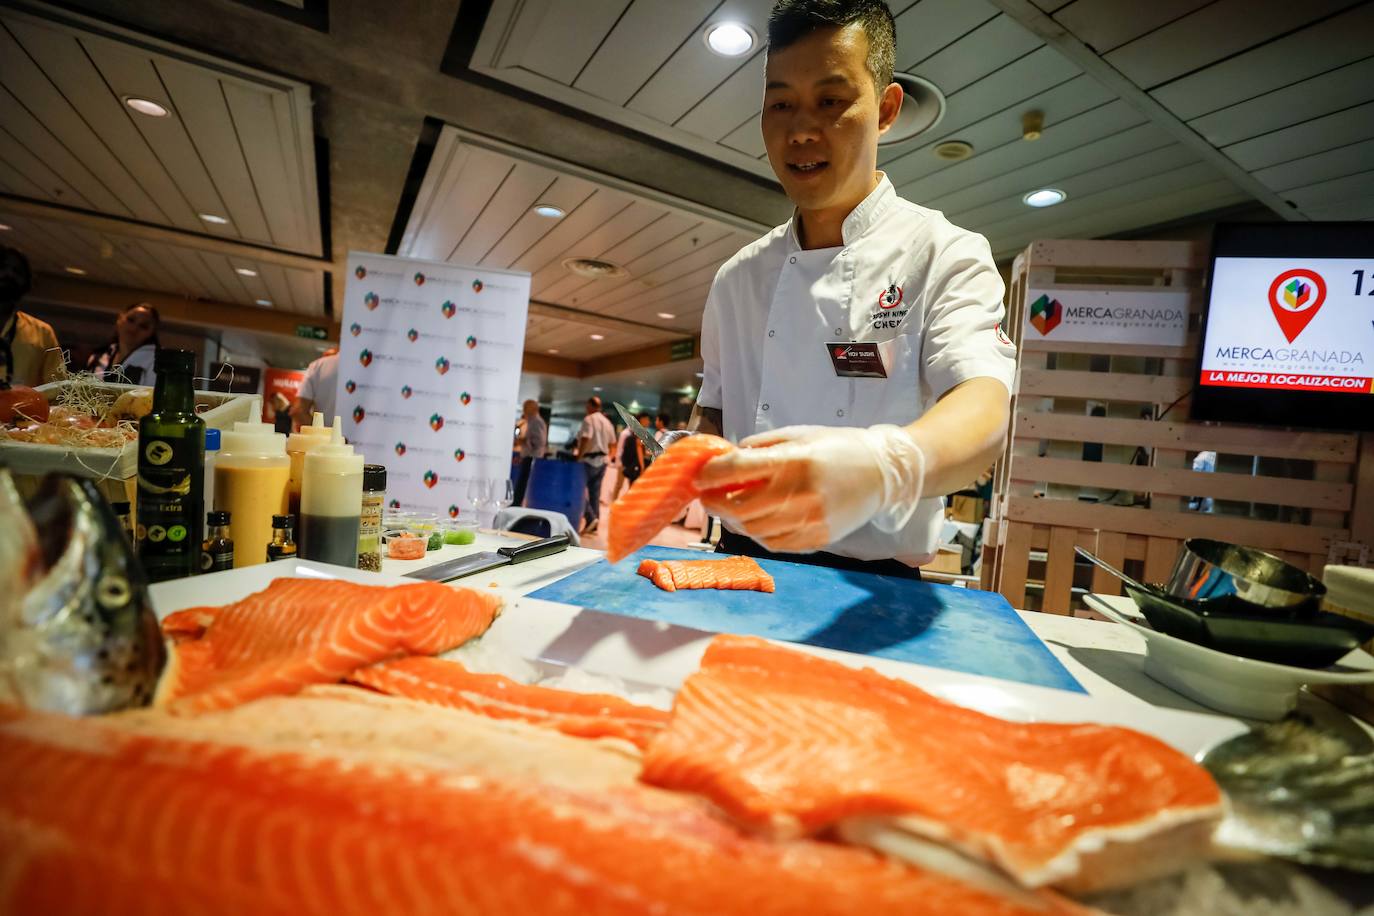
{"points": [[801, 488]]}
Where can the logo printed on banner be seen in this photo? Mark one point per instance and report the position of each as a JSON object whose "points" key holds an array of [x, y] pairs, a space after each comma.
{"points": [[358, 414], [476, 286], [431, 479], [394, 504], [365, 357], [412, 335], [448, 308], [452, 511], [841, 353], [400, 449], [891, 297], [465, 398], [472, 342], [436, 422], [355, 329], [419, 279], [350, 386], [459, 454], [1295, 297], [360, 271], [441, 365], [371, 301], [406, 391], [1046, 313]]}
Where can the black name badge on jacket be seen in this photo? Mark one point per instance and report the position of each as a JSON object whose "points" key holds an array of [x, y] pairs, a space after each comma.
{"points": [[856, 360]]}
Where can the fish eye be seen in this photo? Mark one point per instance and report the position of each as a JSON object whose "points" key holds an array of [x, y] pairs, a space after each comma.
{"points": [[112, 592]]}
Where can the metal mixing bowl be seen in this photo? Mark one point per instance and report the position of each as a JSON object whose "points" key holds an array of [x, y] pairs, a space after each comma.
{"points": [[1210, 570]]}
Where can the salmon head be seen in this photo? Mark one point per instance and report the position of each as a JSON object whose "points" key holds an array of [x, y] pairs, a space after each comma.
{"points": [[77, 631]]}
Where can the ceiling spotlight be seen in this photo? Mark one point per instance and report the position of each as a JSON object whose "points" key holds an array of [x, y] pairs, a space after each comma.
{"points": [[923, 106], [953, 150], [213, 219], [597, 336], [1045, 197], [730, 39], [1032, 125], [553, 350], [596, 388], [666, 316], [75, 270], [263, 301], [5, 227], [549, 210], [594, 268], [145, 107], [701, 375], [245, 271]]}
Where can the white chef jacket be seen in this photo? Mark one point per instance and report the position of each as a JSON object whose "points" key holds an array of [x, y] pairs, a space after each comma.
{"points": [[925, 291]]}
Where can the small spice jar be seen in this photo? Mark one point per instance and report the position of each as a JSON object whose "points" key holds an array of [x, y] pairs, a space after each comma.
{"points": [[370, 524]]}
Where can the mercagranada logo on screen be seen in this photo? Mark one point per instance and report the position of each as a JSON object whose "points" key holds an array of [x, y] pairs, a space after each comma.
{"points": [[1045, 314], [1294, 297]]}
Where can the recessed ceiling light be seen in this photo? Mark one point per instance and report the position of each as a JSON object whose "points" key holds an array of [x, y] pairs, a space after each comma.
{"points": [[597, 336], [1045, 197], [701, 375], [146, 107], [953, 150], [594, 268], [666, 316], [549, 210], [245, 271], [730, 39], [639, 382], [596, 388], [5, 227], [212, 218], [75, 270], [923, 106], [553, 349], [263, 301]]}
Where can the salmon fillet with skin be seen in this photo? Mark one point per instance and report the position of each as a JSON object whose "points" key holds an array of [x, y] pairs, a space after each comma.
{"points": [[792, 744], [298, 632], [734, 573], [95, 820], [660, 494], [449, 684]]}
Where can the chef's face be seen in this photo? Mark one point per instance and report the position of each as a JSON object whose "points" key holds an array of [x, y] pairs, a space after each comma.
{"points": [[822, 116]]}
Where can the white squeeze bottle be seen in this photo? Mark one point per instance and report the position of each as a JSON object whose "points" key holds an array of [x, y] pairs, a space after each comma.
{"points": [[303, 440], [331, 503], [252, 475]]}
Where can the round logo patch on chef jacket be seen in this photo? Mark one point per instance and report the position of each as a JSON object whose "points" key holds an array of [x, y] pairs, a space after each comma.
{"points": [[891, 297]]}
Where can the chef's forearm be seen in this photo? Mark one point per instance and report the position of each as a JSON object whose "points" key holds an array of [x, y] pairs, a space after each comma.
{"points": [[962, 434]]}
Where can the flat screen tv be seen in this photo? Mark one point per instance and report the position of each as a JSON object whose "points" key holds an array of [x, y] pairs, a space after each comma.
{"points": [[1288, 332]]}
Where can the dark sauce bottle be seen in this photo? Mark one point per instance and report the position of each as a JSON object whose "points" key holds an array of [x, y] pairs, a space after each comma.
{"points": [[217, 553], [171, 472], [282, 546]]}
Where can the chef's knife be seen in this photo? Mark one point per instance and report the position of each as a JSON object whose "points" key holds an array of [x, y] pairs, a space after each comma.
{"points": [[641, 432], [489, 559]]}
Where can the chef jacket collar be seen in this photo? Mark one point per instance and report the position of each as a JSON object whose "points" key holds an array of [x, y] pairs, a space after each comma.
{"points": [[859, 219]]}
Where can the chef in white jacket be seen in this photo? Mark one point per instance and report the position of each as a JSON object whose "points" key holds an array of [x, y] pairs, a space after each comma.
{"points": [[854, 350]]}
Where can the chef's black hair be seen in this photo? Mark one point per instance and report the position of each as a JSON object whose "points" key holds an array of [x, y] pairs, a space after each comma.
{"points": [[792, 20]]}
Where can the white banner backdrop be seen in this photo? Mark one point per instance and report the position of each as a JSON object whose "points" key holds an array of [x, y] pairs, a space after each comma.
{"points": [[1097, 316], [429, 370]]}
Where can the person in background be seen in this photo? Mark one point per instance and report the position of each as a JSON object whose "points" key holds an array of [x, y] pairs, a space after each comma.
{"points": [[595, 437], [128, 357], [29, 354], [662, 425], [633, 458], [281, 414], [319, 389], [531, 439], [620, 480]]}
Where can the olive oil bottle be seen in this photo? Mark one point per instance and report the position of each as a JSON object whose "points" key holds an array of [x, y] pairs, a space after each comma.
{"points": [[171, 473]]}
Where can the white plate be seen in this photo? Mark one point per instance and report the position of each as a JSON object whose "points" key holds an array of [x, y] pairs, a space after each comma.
{"points": [[1229, 683], [647, 652]]}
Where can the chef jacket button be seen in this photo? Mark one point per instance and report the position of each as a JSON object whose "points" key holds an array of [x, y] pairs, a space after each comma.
{"points": [[792, 260], [839, 413], [839, 331], [770, 333], [765, 406], [844, 252]]}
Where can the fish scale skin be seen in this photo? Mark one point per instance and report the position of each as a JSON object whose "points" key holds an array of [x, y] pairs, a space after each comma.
{"points": [[208, 828], [448, 683], [790, 743], [660, 494], [298, 632], [740, 573]]}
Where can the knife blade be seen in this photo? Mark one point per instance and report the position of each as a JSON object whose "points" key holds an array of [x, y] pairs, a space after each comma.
{"points": [[651, 445], [490, 559]]}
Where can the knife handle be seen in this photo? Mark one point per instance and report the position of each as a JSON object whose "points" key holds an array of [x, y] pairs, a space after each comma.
{"points": [[535, 549]]}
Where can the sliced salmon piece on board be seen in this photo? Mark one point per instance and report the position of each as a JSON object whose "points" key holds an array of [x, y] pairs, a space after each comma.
{"points": [[741, 573], [96, 820], [449, 684], [792, 744], [660, 494], [309, 631]]}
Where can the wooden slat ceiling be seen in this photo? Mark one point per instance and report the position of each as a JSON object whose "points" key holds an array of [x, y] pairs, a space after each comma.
{"points": [[475, 207]]}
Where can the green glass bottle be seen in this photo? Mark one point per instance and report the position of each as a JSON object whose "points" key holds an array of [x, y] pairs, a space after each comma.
{"points": [[171, 472]]}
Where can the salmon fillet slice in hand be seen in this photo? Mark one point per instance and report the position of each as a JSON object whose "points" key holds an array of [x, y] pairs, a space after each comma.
{"points": [[793, 744], [96, 819], [737, 573], [449, 684], [298, 632], [660, 494]]}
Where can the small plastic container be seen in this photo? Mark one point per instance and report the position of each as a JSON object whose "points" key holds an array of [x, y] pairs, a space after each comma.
{"points": [[427, 526], [406, 545], [460, 532]]}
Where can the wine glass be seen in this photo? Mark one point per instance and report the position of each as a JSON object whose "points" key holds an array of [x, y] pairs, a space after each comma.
{"points": [[502, 493], [477, 495]]}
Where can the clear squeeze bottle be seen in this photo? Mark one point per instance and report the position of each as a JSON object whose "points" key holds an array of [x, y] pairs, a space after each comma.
{"points": [[171, 469], [331, 502], [304, 440], [252, 475]]}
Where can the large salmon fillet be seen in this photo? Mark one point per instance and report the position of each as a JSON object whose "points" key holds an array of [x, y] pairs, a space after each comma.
{"points": [[98, 820], [449, 684], [309, 631], [660, 495], [732, 573], [791, 744]]}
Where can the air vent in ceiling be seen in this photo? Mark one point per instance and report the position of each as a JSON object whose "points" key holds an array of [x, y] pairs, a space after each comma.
{"points": [[591, 267]]}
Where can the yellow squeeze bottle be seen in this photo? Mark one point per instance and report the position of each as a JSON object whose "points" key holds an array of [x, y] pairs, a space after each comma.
{"points": [[252, 479], [298, 444]]}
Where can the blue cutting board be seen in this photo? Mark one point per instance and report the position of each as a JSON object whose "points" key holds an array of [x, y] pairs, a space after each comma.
{"points": [[955, 628]]}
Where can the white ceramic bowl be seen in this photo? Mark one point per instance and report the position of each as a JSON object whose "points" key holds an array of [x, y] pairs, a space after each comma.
{"points": [[1229, 683]]}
